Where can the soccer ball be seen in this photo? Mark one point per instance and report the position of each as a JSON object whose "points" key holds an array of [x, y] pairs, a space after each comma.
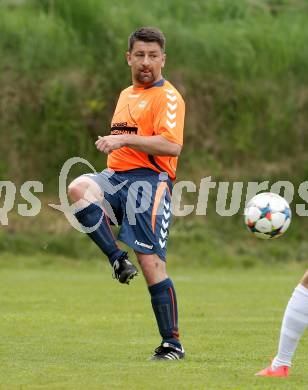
{"points": [[267, 215]]}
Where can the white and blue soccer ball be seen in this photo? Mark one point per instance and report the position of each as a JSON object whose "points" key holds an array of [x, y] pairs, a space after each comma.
{"points": [[267, 215]]}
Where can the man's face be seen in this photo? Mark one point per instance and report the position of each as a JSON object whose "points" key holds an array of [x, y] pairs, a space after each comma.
{"points": [[146, 61]]}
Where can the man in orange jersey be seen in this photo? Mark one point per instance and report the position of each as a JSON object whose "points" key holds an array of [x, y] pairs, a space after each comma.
{"points": [[135, 190]]}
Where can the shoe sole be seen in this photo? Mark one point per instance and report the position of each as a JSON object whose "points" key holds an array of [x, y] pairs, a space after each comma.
{"points": [[129, 277], [155, 359]]}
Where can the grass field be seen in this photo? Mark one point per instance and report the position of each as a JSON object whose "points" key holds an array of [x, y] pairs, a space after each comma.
{"points": [[68, 325]]}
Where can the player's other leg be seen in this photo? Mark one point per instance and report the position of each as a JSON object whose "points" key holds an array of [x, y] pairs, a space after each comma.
{"points": [[294, 323], [164, 303], [87, 197]]}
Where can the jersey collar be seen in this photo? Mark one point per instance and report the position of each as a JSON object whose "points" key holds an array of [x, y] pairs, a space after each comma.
{"points": [[158, 83]]}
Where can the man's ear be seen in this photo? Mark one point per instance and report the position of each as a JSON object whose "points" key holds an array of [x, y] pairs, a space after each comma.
{"points": [[128, 58], [164, 60]]}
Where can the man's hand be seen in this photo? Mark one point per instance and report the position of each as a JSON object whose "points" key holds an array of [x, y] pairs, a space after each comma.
{"points": [[157, 145], [109, 143]]}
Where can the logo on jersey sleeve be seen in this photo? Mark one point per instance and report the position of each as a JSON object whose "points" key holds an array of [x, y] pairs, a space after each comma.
{"points": [[171, 108]]}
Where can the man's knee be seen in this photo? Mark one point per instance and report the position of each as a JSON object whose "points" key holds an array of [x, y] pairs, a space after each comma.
{"points": [[149, 262], [153, 268], [76, 190], [84, 188]]}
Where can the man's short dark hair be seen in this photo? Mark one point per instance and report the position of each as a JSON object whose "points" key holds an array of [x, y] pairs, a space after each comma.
{"points": [[147, 34]]}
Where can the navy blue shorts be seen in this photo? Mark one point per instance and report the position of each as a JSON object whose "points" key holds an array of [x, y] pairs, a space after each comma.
{"points": [[139, 200]]}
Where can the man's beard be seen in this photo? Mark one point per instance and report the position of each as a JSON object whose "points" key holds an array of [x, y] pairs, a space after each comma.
{"points": [[145, 79]]}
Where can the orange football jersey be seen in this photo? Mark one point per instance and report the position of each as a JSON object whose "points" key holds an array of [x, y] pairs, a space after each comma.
{"points": [[157, 110]]}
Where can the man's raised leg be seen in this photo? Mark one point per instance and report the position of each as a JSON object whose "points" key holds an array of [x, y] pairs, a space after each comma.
{"points": [[88, 198]]}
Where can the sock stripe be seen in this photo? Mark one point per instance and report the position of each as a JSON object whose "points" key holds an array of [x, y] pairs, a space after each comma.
{"points": [[175, 334], [290, 333], [108, 224], [173, 306], [302, 290], [296, 315]]}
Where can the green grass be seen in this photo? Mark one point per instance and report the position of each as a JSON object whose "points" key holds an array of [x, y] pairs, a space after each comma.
{"points": [[68, 325]]}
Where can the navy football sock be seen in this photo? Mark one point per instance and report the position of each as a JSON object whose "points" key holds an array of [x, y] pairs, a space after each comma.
{"points": [[164, 304], [102, 236]]}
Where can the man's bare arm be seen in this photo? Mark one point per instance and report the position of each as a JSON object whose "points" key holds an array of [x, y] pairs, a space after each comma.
{"points": [[157, 145]]}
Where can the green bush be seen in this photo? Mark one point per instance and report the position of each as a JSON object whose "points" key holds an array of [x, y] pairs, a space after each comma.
{"points": [[241, 67]]}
